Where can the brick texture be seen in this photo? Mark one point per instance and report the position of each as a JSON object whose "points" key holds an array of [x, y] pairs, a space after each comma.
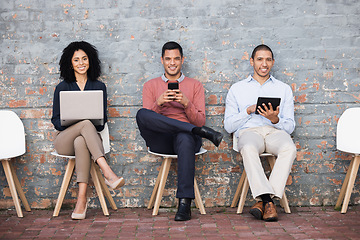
{"points": [[316, 47]]}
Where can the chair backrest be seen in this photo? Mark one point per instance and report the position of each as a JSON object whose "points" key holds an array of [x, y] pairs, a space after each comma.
{"points": [[235, 143], [12, 135], [348, 131], [105, 138]]}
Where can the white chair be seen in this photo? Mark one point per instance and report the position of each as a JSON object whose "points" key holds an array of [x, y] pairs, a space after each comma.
{"points": [[243, 186], [99, 182], [12, 144], [347, 140], [158, 190]]}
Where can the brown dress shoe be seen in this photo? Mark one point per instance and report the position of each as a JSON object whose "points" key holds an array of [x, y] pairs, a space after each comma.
{"points": [[270, 213], [257, 210]]}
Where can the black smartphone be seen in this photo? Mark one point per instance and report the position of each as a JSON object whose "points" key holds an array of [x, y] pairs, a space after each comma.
{"points": [[173, 85]]}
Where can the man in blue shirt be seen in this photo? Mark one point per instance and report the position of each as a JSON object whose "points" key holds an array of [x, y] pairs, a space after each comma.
{"points": [[267, 131]]}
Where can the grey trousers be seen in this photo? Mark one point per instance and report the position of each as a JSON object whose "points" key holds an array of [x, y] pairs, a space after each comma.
{"points": [[254, 141], [83, 141]]}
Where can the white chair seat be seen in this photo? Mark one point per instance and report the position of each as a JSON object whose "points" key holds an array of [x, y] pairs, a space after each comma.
{"points": [[54, 153], [201, 151]]}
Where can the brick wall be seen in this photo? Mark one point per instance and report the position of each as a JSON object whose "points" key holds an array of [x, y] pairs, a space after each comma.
{"points": [[316, 46]]}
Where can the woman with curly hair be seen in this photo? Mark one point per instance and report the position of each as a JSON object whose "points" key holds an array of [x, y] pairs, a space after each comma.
{"points": [[80, 70]]}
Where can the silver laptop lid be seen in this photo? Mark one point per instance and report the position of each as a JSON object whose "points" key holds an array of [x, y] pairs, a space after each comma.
{"points": [[80, 105]]}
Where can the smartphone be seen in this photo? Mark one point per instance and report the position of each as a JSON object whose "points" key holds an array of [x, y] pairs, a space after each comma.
{"points": [[173, 85]]}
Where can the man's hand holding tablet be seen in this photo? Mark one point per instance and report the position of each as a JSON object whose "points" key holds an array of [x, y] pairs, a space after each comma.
{"points": [[268, 107], [263, 103]]}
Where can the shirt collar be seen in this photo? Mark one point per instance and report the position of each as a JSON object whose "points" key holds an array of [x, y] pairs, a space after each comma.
{"points": [[179, 79], [271, 79]]}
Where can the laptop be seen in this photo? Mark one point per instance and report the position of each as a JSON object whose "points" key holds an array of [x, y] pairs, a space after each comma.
{"points": [[80, 105]]}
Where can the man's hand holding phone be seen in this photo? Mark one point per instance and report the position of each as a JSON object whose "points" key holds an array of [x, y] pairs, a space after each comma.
{"points": [[172, 90], [181, 98], [173, 94], [169, 95]]}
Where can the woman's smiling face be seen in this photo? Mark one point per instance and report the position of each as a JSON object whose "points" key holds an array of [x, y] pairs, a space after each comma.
{"points": [[80, 62]]}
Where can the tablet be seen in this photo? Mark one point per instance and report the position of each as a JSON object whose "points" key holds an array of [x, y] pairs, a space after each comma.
{"points": [[275, 102]]}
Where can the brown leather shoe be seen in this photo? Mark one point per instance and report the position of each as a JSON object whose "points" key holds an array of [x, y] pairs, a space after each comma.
{"points": [[257, 210], [270, 214]]}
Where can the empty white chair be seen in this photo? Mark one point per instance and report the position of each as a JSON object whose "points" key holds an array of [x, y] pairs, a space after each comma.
{"points": [[12, 144], [347, 140]]}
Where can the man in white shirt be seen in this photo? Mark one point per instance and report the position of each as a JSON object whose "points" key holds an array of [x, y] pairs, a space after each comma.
{"points": [[267, 131]]}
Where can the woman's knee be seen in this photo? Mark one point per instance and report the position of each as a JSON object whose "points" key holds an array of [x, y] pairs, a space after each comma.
{"points": [[87, 123], [79, 142], [87, 127]]}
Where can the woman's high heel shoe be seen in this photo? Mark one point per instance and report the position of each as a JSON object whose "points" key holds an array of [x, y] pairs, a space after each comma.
{"points": [[79, 216], [117, 184]]}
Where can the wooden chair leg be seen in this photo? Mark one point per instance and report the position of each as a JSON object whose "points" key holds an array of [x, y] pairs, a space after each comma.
{"points": [[271, 160], [285, 204], [104, 187], [344, 186], [244, 192], [350, 185], [64, 186], [198, 201], [156, 187], [284, 201], [238, 190], [99, 190], [12, 187], [161, 185], [19, 189]]}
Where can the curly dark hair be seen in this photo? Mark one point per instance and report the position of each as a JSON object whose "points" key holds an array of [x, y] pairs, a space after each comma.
{"points": [[66, 70]]}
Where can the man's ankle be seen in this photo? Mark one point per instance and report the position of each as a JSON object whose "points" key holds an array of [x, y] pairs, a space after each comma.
{"points": [[265, 198]]}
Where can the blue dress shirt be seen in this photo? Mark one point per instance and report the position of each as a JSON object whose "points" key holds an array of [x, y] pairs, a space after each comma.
{"points": [[245, 93]]}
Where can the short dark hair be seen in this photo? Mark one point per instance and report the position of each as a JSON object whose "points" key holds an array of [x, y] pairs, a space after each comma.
{"points": [[261, 47], [66, 70], [170, 46]]}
